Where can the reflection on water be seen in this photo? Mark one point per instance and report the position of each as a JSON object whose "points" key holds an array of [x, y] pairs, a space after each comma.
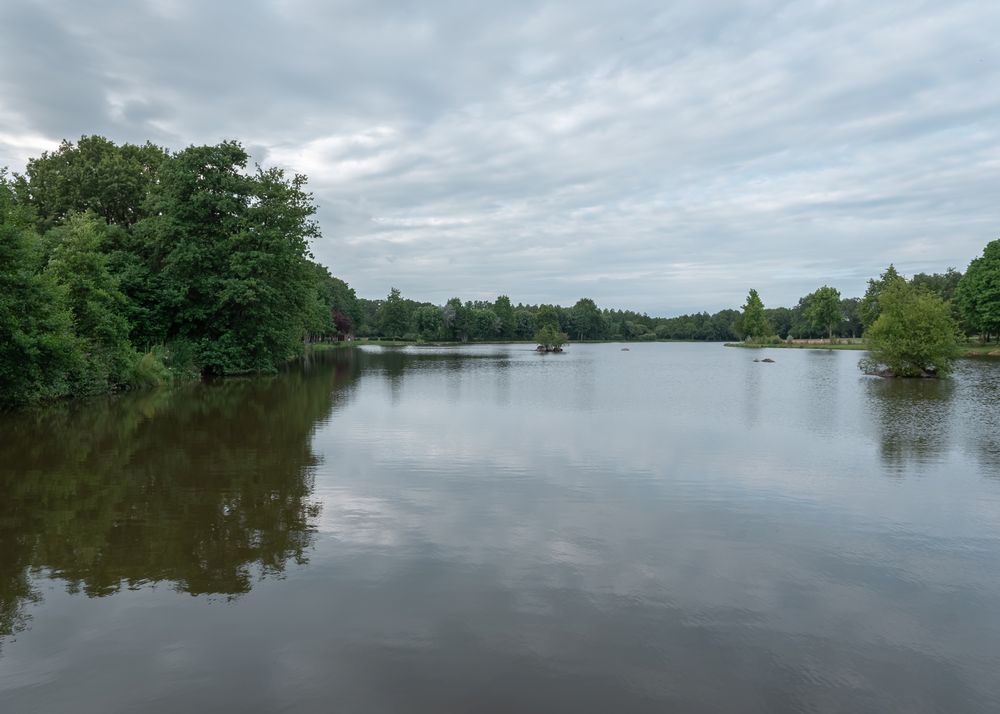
{"points": [[913, 418], [207, 488], [675, 528]]}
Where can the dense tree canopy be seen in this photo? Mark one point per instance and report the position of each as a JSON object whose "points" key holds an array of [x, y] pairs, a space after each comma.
{"points": [[914, 334], [978, 292], [823, 309], [189, 256]]}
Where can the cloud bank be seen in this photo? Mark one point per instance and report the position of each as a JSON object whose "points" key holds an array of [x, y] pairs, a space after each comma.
{"points": [[660, 156]]}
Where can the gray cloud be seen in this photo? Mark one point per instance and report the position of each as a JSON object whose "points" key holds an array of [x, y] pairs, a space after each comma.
{"points": [[650, 155]]}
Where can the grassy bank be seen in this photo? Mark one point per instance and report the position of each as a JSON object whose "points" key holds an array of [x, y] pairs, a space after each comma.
{"points": [[800, 346], [972, 349]]}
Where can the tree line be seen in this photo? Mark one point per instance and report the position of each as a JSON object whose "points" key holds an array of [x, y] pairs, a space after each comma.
{"points": [[823, 313], [129, 265], [912, 327]]}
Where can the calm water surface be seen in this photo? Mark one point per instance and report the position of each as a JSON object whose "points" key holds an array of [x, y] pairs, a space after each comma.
{"points": [[484, 529]]}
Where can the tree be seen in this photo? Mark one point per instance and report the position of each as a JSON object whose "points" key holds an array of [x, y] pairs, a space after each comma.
{"points": [[914, 335], [392, 316], [38, 350], [427, 321], [823, 309], [524, 321], [547, 315], [754, 322], [455, 320], [943, 284], [978, 292], [97, 305], [226, 258], [852, 325], [550, 338], [587, 320], [505, 313], [92, 175], [780, 319], [486, 325], [868, 309]]}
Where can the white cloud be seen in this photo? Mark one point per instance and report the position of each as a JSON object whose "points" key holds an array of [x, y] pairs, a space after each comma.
{"points": [[663, 158]]}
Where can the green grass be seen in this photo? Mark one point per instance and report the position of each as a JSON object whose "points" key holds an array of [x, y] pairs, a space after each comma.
{"points": [[792, 346], [970, 349]]}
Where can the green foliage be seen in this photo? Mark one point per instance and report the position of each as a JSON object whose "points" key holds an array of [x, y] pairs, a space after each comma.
{"points": [[227, 252], [38, 351], [869, 307], [547, 315], [505, 314], [754, 321], [92, 175], [823, 309], [587, 322], [392, 316], [978, 291], [914, 334], [944, 285], [549, 337], [118, 246], [97, 305], [486, 324], [148, 371]]}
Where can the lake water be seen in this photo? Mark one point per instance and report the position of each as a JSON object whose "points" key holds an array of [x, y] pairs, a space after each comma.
{"points": [[486, 529]]}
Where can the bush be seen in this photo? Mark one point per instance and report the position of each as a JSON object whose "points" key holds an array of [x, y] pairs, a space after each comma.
{"points": [[915, 335], [148, 372]]}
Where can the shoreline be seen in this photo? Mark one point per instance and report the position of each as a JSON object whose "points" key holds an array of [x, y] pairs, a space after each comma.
{"points": [[987, 351]]}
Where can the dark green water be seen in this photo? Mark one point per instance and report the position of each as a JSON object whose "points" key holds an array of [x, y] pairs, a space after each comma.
{"points": [[673, 528]]}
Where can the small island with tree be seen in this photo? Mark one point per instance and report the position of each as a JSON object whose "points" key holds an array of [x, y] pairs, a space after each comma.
{"points": [[550, 339]]}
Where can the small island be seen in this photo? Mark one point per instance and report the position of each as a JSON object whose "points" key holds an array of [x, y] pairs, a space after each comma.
{"points": [[550, 339]]}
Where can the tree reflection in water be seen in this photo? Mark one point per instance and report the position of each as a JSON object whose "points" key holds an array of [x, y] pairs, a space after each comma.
{"points": [[207, 487]]}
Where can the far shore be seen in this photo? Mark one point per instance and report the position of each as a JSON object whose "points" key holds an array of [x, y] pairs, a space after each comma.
{"points": [[969, 350]]}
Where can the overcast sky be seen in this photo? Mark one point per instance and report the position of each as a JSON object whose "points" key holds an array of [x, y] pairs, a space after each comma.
{"points": [[664, 156]]}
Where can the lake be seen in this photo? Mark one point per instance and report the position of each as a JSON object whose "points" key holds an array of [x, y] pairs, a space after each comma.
{"points": [[486, 529]]}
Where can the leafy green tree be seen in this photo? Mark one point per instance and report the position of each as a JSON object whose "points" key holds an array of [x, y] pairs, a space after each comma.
{"points": [[505, 313], [547, 315], [97, 305], [550, 338], [914, 335], [226, 254], [92, 175], [780, 318], [38, 350], [851, 325], [427, 321], [392, 317], [524, 324], [868, 309], [456, 319], [587, 320], [823, 309], [978, 292], [486, 324], [754, 321], [944, 285]]}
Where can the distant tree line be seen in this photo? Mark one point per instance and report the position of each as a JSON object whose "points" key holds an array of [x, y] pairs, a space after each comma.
{"points": [[822, 313], [396, 317]]}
